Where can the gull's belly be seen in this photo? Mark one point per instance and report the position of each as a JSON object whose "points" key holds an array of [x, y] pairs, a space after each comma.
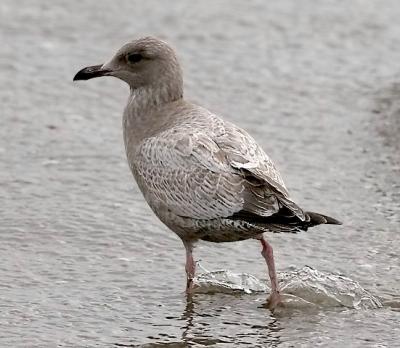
{"points": [[213, 230]]}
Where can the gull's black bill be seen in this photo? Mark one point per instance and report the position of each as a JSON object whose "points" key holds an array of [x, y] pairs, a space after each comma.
{"points": [[91, 72]]}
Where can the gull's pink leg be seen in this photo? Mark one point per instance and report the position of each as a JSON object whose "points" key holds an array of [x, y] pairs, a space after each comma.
{"points": [[275, 298], [190, 266]]}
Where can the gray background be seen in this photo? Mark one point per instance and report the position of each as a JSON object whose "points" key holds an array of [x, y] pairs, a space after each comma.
{"points": [[84, 262]]}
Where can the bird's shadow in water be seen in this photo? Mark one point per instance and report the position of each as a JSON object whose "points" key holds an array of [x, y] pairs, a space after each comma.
{"points": [[211, 319]]}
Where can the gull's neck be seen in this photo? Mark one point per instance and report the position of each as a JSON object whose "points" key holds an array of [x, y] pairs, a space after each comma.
{"points": [[149, 97], [146, 111]]}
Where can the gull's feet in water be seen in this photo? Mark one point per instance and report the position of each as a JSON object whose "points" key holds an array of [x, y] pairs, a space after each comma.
{"points": [[190, 286], [274, 301]]}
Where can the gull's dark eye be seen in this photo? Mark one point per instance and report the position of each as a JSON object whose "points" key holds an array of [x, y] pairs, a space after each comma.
{"points": [[134, 58]]}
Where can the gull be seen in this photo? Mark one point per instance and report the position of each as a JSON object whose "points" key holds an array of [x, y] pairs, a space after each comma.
{"points": [[204, 177]]}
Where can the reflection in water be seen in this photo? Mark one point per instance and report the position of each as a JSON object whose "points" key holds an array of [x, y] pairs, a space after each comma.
{"points": [[204, 316], [209, 320], [187, 316]]}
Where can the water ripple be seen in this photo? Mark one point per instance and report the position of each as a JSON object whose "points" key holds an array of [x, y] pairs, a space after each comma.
{"points": [[305, 287]]}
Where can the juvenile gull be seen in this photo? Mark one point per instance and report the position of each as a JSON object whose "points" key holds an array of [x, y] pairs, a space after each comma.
{"points": [[205, 178]]}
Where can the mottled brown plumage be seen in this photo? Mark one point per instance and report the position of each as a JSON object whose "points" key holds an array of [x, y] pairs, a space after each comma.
{"points": [[204, 177]]}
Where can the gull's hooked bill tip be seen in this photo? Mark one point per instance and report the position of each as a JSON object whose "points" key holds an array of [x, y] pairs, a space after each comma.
{"points": [[91, 72]]}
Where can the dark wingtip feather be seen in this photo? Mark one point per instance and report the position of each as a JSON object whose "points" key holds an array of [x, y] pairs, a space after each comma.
{"points": [[318, 219], [285, 220], [332, 221]]}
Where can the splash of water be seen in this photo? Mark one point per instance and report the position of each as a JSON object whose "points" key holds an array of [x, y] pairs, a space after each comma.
{"points": [[299, 287]]}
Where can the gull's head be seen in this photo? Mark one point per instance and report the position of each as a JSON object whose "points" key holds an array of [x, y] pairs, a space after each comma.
{"points": [[144, 63]]}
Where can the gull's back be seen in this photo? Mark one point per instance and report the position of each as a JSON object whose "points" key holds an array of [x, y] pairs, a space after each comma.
{"points": [[201, 175]]}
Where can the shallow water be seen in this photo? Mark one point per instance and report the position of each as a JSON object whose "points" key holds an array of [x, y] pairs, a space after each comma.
{"points": [[84, 262]]}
